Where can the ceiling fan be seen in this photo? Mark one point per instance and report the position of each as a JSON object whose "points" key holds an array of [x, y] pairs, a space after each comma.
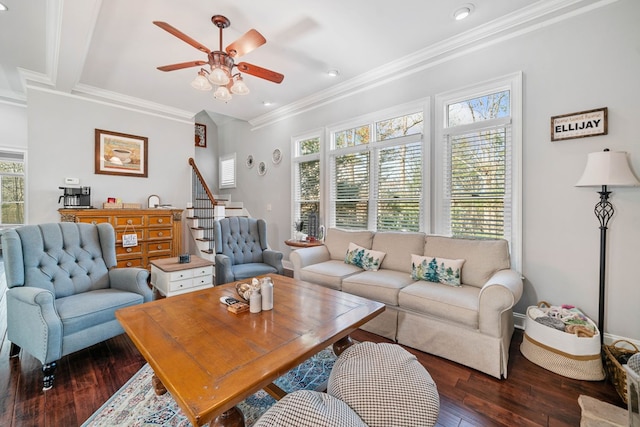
{"points": [[221, 63]]}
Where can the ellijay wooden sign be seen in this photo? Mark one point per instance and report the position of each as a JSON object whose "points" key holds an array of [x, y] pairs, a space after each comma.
{"points": [[579, 125]]}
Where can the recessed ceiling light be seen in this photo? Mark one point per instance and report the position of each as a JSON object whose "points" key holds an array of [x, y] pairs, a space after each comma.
{"points": [[3, 7], [266, 103], [463, 11], [333, 73]]}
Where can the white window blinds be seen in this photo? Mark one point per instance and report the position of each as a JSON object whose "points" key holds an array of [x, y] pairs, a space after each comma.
{"points": [[477, 188], [350, 188], [399, 187], [228, 171]]}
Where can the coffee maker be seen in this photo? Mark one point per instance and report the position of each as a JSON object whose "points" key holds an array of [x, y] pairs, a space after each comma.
{"points": [[76, 197]]}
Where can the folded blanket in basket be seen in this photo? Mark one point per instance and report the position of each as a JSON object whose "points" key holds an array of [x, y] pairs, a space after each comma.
{"points": [[566, 318]]}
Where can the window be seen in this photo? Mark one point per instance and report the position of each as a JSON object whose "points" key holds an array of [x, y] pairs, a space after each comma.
{"points": [[306, 178], [382, 172], [376, 172], [477, 183], [228, 171], [12, 187]]}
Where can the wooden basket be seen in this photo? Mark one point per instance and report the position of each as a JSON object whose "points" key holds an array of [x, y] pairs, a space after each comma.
{"points": [[615, 372]]}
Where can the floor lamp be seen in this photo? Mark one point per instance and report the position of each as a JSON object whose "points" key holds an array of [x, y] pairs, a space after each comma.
{"points": [[605, 168]]}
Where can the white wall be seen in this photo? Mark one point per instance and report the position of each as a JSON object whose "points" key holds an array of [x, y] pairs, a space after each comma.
{"points": [[13, 126], [586, 62], [207, 158], [62, 144]]}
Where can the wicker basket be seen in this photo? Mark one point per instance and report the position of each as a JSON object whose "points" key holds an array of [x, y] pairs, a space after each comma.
{"points": [[615, 372]]}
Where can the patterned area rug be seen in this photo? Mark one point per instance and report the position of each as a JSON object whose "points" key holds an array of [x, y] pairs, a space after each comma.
{"points": [[136, 404]]}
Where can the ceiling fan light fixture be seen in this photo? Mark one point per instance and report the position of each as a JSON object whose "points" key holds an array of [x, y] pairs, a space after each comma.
{"points": [[239, 86], [222, 94], [201, 82], [463, 11], [333, 73]]}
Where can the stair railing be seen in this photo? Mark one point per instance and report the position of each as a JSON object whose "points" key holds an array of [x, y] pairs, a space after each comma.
{"points": [[203, 205]]}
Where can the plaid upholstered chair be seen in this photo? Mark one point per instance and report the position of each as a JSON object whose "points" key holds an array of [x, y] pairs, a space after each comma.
{"points": [[374, 385], [242, 251], [64, 289]]}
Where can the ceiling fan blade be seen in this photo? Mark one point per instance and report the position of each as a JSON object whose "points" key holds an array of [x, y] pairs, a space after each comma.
{"points": [[249, 41], [263, 73], [182, 65], [182, 36]]}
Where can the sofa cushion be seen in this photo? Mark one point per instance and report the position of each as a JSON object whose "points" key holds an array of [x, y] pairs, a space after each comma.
{"points": [[337, 241], [483, 257], [458, 305], [306, 408], [438, 270], [364, 258], [252, 269], [398, 245], [381, 285], [328, 273], [82, 311], [385, 385]]}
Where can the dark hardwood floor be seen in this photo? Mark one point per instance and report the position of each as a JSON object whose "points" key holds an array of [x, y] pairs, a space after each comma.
{"points": [[531, 396]]}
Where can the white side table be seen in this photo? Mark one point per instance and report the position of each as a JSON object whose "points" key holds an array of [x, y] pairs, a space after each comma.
{"points": [[171, 278]]}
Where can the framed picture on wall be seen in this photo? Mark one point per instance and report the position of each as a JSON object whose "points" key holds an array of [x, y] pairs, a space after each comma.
{"points": [[201, 135], [120, 154]]}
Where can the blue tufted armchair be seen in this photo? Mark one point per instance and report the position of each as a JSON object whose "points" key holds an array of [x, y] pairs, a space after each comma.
{"points": [[64, 290], [241, 250]]}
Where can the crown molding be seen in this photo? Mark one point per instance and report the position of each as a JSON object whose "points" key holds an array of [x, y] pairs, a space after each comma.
{"points": [[111, 99], [125, 101], [528, 19]]}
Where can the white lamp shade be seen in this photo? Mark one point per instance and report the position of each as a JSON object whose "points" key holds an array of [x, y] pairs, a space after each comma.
{"points": [[218, 76], [222, 93], [201, 83], [607, 168], [239, 87]]}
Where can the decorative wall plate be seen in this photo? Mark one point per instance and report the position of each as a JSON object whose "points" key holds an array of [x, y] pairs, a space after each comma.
{"points": [[249, 162], [262, 168], [276, 156]]}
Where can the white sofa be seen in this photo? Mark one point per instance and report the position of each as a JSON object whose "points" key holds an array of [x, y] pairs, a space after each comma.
{"points": [[470, 324]]}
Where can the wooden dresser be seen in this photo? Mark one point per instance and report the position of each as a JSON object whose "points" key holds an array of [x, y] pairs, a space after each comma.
{"points": [[159, 231]]}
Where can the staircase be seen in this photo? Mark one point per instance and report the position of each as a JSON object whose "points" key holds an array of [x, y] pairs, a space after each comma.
{"points": [[206, 208]]}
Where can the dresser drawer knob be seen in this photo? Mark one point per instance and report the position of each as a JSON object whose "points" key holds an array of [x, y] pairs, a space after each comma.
{"points": [[129, 249], [160, 220], [159, 246], [160, 233], [94, 222], [129, 264], [129, 221]]}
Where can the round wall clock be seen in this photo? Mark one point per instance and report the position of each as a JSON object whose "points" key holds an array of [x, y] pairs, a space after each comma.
{"points": [[276, 156], [262, 168], [249, 162]]}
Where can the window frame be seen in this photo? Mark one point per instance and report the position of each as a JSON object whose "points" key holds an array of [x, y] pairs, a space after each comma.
{"points": [[221, 172], [24, 175], [296, 159], [373, 147], [513, 83]]}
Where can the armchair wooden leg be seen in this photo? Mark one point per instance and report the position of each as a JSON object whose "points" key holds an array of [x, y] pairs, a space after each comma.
{"points": [[48, 369], [14, 350]]}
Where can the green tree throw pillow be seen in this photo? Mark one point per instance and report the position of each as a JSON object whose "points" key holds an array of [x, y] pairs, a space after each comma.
{"points": [[363, 257], [438, 270]]}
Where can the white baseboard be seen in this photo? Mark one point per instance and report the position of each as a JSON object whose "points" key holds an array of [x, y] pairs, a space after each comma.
{"points": [[518, 321]]}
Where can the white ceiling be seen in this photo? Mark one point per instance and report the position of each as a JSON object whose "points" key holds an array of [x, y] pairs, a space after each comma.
{"points": [[110, 49]]}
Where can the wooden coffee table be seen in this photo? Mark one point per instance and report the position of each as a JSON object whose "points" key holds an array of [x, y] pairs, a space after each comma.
{"points": [[211, 359]]}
